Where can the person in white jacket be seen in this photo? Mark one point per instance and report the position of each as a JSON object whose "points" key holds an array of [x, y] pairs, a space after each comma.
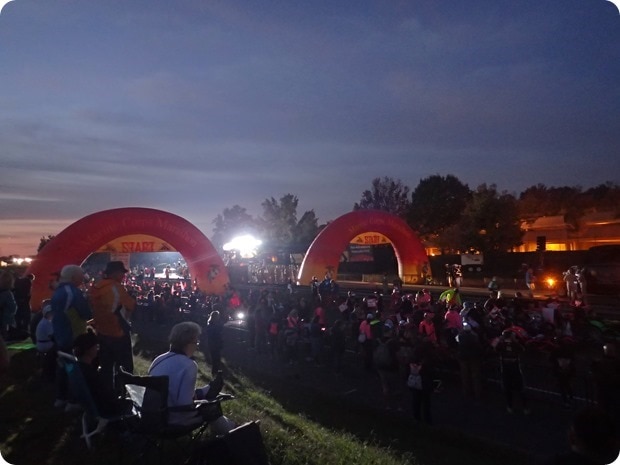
{"points": [[182, 372]]}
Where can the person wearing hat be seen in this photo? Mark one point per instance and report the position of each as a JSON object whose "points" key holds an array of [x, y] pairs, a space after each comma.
{"points": [[112, 307]]}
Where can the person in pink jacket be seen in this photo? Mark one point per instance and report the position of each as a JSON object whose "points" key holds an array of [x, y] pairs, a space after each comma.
{"points": [[452, 325]]}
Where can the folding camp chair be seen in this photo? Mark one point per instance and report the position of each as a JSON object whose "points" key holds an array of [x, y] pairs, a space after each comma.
{"points": [[149, 395], [240, 446], [79, 389]]}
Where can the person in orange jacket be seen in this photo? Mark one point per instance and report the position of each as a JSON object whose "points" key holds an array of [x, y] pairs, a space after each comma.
{"points": [[112, 307]]}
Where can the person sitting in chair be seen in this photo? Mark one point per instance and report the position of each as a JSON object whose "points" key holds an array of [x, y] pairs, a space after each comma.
{"points": [[182, 372], [86, 350]]}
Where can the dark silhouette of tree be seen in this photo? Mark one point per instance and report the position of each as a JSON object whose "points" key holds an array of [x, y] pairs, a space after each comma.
{"points": [[570, 202], [279, 223], [388, 195], [540, 200], [306, 230], [604, 197], [232, 222], [437, 204], [44, 240], [490, 222]]}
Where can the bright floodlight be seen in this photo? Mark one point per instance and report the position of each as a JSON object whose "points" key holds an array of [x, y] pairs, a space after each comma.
{"points": [[246, 245]]}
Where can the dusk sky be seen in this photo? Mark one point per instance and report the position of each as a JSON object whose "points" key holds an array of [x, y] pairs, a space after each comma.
{"points": [[193, 106]]}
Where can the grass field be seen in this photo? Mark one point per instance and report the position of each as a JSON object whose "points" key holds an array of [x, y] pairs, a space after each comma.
{"points": [[301, 427]]}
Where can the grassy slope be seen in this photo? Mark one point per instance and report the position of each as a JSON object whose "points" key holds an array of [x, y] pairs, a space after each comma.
{"points": [[300, 427]]}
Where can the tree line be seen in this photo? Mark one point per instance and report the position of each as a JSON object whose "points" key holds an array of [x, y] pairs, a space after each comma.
{"points": [[443, 210]]}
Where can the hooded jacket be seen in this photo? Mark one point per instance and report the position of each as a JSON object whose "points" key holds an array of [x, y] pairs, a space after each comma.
{"points": [[111, 304]]}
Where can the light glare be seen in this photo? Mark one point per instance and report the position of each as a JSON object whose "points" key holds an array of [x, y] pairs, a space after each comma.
{"points": [[246, 245]]}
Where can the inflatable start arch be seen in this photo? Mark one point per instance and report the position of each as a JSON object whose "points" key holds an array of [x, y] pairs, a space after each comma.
{"points": [[75, 243], [325, 251]]}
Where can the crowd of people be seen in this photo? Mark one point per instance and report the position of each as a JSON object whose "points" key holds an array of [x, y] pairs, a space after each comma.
{"points": [[91, 319], [406, 339], [402, 337], [397, 334]]}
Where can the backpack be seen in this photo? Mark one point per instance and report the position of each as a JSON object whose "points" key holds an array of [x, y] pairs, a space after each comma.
{"points": [[78, 325], [291, 337], [414, 381], [376, 329], [382, 357], [273, 328]]}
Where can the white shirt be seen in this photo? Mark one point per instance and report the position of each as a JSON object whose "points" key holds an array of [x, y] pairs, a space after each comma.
{"points": [[181, 372]]}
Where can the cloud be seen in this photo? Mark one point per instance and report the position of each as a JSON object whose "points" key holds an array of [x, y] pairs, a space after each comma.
{"points": [[196, 106]]}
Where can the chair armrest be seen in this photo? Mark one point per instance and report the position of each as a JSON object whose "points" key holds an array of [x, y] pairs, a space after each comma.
{"points": [[186, 408], [65, 356]]}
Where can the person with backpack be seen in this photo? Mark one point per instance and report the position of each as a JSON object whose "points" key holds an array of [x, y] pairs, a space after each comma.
{"points": [[366, 339], [292, 335], [215, 340], [338, 344], [562, 360], [493, 287], [452, 325], [70, 312], [420, 383], [316, 340], [386, 364], [470, 354]]}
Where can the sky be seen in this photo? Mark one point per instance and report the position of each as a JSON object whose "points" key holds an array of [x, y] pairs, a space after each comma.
{"points": [[194, 106]]}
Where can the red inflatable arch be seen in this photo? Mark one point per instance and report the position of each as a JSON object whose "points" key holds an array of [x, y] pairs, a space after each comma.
{"points": [[325, 251], [75, 243]]}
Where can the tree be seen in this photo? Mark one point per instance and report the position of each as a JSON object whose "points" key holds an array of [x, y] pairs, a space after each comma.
{"points": [[571, 202], [306, 230], [234, 221], [387, 195], [44, 240], [603, 197], [490, 222], [279, 223], [437, 204], [279, 219], [540, 200]]}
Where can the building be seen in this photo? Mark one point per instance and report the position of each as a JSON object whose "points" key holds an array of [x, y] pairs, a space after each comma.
{"points": [[593, 229]]}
